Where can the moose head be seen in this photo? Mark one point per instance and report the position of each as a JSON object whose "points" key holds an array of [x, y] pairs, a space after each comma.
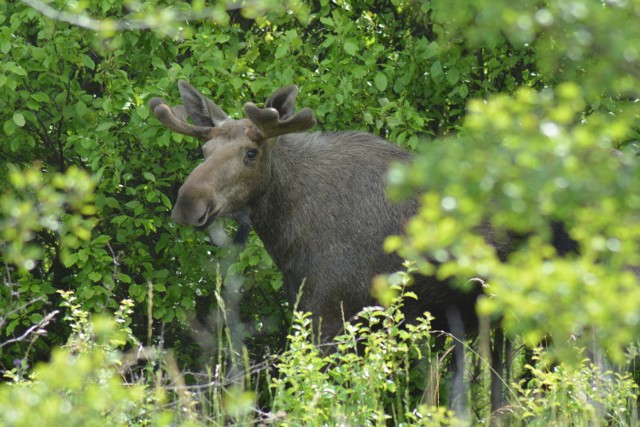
{"points": [[236, 152]]}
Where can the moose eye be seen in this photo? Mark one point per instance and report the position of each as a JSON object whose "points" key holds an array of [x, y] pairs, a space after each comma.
{"points": [[252, 154]]}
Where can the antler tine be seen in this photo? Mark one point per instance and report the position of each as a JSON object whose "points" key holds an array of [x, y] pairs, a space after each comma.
{"points": [[267, 120], [175, 119]]}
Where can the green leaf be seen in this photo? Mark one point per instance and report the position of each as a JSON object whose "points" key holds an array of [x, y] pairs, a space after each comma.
{"points": [[165, 201], [9, 129], [88, 62], [5, 47], [104, 126], [69, 259], [124, 278], [453, 75], [132, 204], [380, 81], [463, 91], [351, 47], [40, 97], [282, 50], [111, 202], [431, 50], [81, 109], [15, 69], [101, 240], [18, 119], [35, 317], [82, 256], [107, 105], [94, 276], [326, 21], [436, 70], [10, 328], [329, 41], [88, 292], [143, 112]]}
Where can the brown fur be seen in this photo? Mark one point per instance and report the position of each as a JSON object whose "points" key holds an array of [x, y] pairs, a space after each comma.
{"points": [[317, 200]]}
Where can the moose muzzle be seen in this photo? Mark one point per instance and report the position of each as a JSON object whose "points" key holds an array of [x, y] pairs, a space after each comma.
{"points": [[192, 209]]}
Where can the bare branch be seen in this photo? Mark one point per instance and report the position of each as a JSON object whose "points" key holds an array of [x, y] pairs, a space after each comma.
{"points": [[37, 329], [158, 20], [4, 316]]}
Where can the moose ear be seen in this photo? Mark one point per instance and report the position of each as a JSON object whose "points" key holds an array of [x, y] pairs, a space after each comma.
{"points": [[201, 109], [284, 101]]}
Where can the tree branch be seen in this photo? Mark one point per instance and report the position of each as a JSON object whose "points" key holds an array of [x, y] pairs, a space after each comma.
{"points": [[37, 329], [155, 21]]}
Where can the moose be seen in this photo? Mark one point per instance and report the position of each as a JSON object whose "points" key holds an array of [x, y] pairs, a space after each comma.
{"points": [[316, 200]]}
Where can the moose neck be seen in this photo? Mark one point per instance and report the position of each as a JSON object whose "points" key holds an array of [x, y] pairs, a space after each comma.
{"points": [[273, 214]]}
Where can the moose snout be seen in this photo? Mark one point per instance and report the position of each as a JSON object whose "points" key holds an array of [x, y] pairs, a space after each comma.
{"points": [[192, 210]]}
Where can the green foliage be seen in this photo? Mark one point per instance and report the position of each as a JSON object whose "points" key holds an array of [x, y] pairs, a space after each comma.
{"points": [[535, 160], [35, 202], [87, 109], [365, 382], [357, 66], [524, 162], [536, 94], [44, 219], [575, 395], [80, 385]]}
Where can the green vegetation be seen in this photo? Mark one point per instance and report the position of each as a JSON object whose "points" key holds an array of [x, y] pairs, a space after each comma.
{"points": [[513, 109]]}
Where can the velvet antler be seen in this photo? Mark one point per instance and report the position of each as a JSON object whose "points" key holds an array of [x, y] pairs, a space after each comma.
{"points": [[279, 117], [267, 120], [176, 119]]}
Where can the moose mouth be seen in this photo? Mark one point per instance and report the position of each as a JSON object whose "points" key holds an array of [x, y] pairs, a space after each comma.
{"points": [[206, 220]]}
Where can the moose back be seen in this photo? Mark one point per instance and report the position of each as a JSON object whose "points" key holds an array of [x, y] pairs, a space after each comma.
{"points": [[316, 200]]}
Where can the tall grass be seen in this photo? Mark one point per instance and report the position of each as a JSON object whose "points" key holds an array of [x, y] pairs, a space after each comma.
{"points": [[378, 373]]}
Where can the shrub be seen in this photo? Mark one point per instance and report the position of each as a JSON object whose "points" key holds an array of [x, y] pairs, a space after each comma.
{"points": [[80, 385], [536, 94]]}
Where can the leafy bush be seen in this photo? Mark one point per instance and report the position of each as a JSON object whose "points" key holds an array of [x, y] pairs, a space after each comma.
{"points": [[366, 382], [575, 395], [512, 107], [38, 212], [356, 64], [525, 166], [79, 386], [369, 380]]}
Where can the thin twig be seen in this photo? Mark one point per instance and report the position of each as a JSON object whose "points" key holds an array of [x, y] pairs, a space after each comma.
{"points": [[19, 308], [38, 329]]}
